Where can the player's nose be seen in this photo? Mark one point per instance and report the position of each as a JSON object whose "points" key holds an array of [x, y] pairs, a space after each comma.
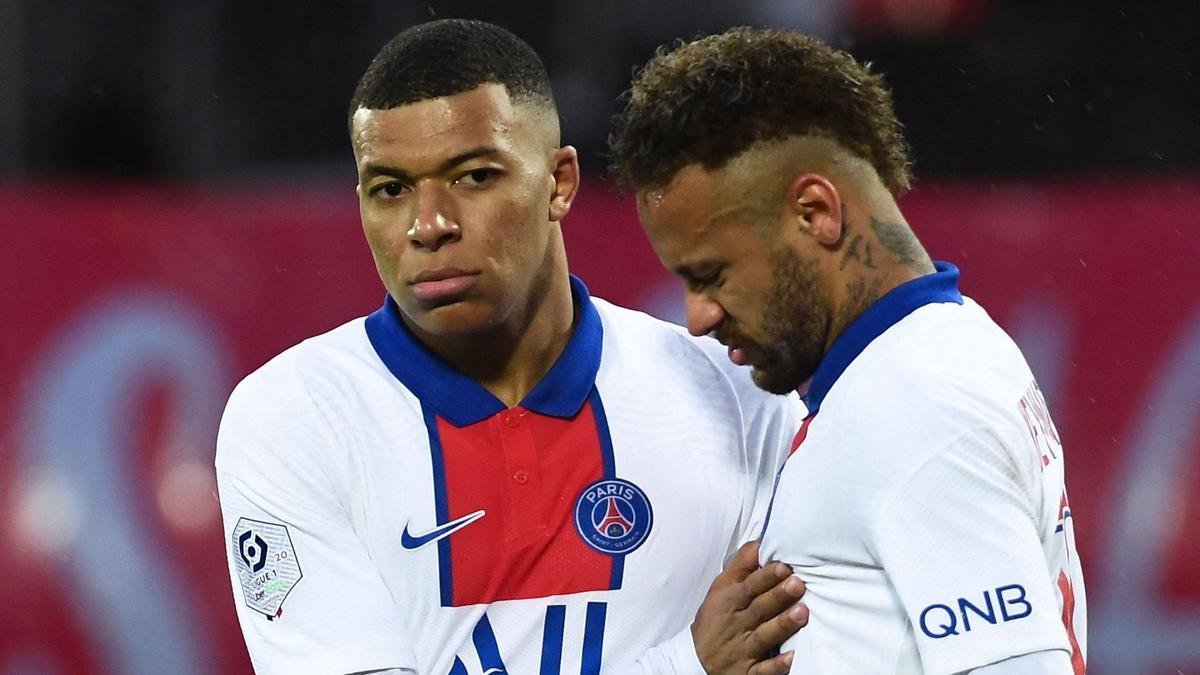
{"points": [[434, 222], [703, 313]]}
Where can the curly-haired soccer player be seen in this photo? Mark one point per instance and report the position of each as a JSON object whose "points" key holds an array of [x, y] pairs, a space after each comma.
{"points": [[924, 504]]}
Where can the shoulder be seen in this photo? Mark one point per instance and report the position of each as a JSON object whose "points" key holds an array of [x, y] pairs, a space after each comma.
{"points": [[667, 352], [943, 369], [638, 336], [943, 384], [299, 372], [287, 406]]}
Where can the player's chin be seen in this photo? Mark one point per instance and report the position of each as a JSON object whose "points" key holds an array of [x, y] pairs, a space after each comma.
{"points": [[776, 377], [462, 318]]}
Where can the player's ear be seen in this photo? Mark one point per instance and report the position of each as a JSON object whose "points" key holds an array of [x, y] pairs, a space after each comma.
{"points": [[565, 174], [817, 207]]}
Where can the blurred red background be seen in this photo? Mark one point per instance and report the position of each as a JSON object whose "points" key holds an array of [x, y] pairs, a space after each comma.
{"points": [[131, 310]]}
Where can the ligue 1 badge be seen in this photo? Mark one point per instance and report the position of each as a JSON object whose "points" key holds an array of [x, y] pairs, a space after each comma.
{"points": [[613, 516], [266, 564]]}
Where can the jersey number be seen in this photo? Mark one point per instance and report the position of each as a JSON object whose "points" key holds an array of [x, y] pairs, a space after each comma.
{"points": [[492, 663]]}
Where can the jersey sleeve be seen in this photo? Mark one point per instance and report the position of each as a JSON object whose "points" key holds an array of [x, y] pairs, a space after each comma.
{"points": [[770, 424], [308, 596], [676, 656], [959, 543]]}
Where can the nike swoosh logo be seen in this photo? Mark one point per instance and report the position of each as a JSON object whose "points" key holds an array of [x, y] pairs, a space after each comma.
{"points": [[413, 542]]}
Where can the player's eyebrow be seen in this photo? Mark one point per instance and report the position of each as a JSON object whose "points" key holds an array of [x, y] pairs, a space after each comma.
{"points": [[380, 169]]}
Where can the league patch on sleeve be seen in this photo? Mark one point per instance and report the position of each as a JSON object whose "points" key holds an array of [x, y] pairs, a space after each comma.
{"points": [[266, 564]]}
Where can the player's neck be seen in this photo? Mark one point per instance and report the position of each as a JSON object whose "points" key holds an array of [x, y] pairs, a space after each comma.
{"points": [[880, 254], [510, 360]]}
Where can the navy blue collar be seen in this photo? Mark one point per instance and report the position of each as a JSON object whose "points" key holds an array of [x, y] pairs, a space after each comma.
{"points": [[896, 304], [461, 400]]}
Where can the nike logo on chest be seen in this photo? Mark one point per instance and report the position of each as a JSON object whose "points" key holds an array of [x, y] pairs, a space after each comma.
{"points": [[413, 542]]}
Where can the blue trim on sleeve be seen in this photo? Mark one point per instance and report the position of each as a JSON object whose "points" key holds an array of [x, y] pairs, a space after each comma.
{"points": [[462, 401], [942, 286]]}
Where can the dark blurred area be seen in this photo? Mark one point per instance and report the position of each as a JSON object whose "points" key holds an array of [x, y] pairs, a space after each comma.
{"points": [[212, 88]]}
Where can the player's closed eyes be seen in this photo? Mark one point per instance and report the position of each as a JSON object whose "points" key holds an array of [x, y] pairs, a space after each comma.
{"points": [[706, 280]]}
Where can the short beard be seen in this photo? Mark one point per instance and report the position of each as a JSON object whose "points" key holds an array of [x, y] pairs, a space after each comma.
{"points": [[795, 324]]}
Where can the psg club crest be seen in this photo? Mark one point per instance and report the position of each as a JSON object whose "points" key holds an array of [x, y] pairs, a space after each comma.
{"points": [[613, 516]]}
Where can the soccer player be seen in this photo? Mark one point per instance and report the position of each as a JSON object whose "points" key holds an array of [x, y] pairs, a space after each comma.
{"points": [[924, 501], [495, 472]]}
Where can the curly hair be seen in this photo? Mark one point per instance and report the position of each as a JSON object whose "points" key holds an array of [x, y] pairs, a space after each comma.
{"points": [[709, 100], [447, 57]]}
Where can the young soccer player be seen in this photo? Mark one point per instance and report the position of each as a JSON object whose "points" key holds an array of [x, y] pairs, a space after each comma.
{"points": [[496, 472]]}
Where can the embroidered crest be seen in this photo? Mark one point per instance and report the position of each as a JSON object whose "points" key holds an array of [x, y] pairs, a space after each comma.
{"points": [[613, 516]]}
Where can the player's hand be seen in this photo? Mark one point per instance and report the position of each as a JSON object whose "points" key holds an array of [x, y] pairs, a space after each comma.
{"points": [[747, 614]]}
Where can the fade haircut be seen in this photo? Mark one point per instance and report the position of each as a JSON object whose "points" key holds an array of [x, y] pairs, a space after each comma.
{"points": [[709, 100], [447, 57]]}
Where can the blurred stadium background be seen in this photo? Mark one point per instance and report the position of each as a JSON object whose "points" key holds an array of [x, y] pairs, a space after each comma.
{"points": [[177, 205]]}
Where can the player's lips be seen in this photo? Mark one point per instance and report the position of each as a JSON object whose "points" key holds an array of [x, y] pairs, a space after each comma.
{"points": [[441, 283], [738, 356]]}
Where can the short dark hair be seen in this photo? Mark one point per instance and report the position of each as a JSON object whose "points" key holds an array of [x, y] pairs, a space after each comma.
{"points": [[709, 100], [447, 57]]}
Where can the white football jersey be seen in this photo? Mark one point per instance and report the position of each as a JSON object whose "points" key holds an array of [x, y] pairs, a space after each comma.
{"points": [[382, 510], [924, 503]]}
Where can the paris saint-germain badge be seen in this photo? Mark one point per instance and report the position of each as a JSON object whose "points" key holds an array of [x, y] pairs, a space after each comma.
{"points": [[613, 516]]}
